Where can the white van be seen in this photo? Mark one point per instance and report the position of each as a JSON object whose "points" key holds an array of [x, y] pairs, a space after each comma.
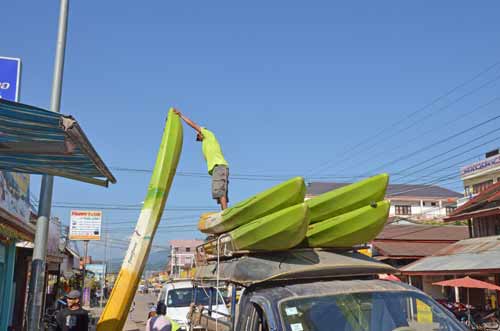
{"points": [[179, 294]]}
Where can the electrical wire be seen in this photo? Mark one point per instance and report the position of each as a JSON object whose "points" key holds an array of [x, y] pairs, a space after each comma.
{"points": [[349, 151]]}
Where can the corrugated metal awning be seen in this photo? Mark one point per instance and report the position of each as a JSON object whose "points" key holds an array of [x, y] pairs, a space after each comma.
{"points": [[470, 256], [37, 141]]}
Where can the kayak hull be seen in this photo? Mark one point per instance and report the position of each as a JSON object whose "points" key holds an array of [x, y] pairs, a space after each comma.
{"points": [[117, 308], [281, 230], [279, 197], [348, 198], [350, 229]]}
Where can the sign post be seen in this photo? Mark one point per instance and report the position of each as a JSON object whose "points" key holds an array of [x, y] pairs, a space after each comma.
{"points": [[37, 277], [85, 225], [10, 75]]}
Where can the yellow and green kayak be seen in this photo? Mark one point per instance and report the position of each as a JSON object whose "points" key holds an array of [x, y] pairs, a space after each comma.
{"points": [[348, 198], [350, 229], [281, 196], [117, 308], [281, 230]]}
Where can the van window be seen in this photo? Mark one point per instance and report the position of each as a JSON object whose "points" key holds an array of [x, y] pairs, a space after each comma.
{"points": [[183, 297]]}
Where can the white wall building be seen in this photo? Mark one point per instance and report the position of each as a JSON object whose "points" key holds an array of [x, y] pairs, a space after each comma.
{"points": [[482, 174]]}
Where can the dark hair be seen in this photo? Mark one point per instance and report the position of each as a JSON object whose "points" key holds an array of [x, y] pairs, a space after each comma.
{"points": [[161, 308]]}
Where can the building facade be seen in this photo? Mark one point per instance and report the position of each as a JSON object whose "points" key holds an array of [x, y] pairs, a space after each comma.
{"points": [[480, 175], [182, 259], [477, 257], [15, 227], [417, 202]]}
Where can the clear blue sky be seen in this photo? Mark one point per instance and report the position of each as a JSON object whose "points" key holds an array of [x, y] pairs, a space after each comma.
{"points": [[285, 85]]}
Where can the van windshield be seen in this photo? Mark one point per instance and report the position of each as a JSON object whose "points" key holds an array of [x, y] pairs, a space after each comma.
{"points": [[367, 311], [183, 297]]}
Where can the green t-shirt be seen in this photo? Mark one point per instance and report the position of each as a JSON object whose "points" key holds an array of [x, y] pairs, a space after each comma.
{"points": [[211, 150]]}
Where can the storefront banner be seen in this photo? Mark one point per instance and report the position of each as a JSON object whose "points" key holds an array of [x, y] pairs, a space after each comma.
{"points": [[14, 194]]}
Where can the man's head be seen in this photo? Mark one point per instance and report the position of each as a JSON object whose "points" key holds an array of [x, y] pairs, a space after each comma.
{"points": [[161, 308], [199, 137], [73, 299]]}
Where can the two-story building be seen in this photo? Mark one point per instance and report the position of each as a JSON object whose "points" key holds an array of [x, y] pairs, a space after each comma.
{"points": [[481, 174], [182, 259]]}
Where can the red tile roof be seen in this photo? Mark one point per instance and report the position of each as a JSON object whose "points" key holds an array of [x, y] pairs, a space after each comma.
{"points": [[396, 249], [450, 233], [489, 195]]}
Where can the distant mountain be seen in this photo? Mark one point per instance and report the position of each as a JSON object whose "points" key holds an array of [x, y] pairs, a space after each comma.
{"points": [[156, 261]]}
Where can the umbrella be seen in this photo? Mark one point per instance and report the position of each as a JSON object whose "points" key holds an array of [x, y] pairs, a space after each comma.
{"points": [[468, 282]]}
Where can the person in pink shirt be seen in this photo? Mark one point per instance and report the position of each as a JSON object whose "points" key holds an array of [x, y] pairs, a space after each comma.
{"points": [[161, 322]]}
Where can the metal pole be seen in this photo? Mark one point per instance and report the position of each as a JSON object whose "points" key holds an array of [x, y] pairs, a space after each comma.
{"points": [[103, 284], [37, 278], [86, 249]]}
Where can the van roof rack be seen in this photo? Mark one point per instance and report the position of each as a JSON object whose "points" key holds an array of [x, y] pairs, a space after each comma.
{"points": [[219, 249], [296, 264]]}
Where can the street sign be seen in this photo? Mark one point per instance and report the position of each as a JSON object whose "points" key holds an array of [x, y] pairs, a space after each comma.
{"points": [[85, 225], [10, 74]]}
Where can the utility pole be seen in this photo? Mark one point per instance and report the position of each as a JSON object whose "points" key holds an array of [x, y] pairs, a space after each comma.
{"points": [[103, 281], [86, 250], [37, 279]]}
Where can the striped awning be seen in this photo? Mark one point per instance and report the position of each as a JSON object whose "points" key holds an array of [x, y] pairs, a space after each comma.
{"points": [[38, 141]]}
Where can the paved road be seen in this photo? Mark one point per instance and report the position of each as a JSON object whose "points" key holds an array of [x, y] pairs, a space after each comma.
{"points": [[137, 318]]}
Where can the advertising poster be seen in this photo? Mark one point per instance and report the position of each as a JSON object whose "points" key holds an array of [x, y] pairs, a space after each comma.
{"points": [[14, 194], [85, 225]]}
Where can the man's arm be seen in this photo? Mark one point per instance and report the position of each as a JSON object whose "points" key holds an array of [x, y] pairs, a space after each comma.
{"points": [[85, 323], [59, 321], [188, 121]]}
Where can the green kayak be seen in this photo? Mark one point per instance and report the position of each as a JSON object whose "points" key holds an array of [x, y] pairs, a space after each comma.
{"points": [[281, 230], [347, 198], [350, 229], [279, 197]]}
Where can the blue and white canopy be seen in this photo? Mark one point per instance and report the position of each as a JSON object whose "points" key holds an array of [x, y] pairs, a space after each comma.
{"points": [[38, 141]]}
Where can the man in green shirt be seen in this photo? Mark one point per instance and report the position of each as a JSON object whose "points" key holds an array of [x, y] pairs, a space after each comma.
{"points": [[217, 165]]}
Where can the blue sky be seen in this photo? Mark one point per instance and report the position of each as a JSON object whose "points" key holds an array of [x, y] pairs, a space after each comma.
{"points": [[289, 87]]}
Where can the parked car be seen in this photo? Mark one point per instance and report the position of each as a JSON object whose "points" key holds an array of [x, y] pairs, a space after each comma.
{"points": [[178, 295]]}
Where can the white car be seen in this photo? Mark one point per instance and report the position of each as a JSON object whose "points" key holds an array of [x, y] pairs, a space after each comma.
{"points": [[178, 295]]}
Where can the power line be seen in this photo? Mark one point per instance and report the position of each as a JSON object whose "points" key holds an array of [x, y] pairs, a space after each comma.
{"points": [[420, 150], [349, 151], [449, 151], [419, 135], [454, 156]]}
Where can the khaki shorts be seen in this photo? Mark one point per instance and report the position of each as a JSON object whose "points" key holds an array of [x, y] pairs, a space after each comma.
{"points": [[220, 175]]}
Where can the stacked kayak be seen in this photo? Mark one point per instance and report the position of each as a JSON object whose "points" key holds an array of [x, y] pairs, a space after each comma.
{"points": [[280, 219], [279, 197], [281, 230], [348, 198], [350, 229]]}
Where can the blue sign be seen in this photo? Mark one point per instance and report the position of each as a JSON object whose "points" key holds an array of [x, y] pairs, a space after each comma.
{"points": [[10, 74]]}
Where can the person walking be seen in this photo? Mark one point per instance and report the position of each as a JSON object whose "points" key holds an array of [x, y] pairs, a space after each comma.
{"points": [[161, 322], [217, 165], [73, 317]]}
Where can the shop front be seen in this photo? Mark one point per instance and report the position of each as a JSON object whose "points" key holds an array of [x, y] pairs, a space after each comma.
{"points": [[14, 228], [476, 257]]}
